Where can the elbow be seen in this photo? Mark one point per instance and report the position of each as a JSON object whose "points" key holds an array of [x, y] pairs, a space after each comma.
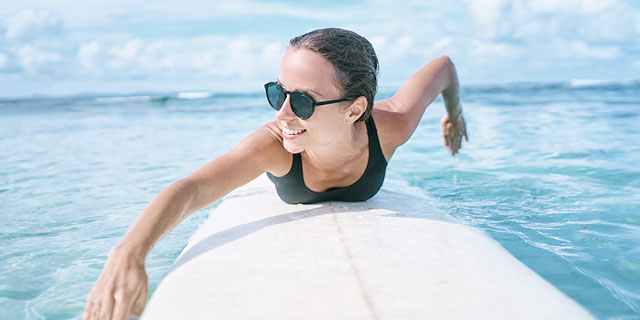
{"points": [[447, 65], [186, 184], [445, 60]]}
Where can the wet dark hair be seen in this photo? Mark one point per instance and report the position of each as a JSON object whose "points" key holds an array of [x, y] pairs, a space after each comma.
{"points": [[353, 58]]}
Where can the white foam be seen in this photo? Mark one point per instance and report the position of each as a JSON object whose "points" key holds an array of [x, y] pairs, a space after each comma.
{"points": [[123, 99], [593, 82], [194, 95]]}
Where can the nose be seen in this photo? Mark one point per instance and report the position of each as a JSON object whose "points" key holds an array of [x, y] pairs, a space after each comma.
{"points": [[286, 113]]}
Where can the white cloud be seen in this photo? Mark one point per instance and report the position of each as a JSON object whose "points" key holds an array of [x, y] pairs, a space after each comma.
{"points": [[31, 43], [540, 20], [30, 24], [579, 49], [572, 6], [34, 60], [402, 46], [488, 15], [273, 51], [443, 44], [395, 50], [262, 8], [126, 52], [494, 52], [97, 13], [87, 54], [210, 56], [378, 41], [4, 61], [551, 35], [120, 39]]}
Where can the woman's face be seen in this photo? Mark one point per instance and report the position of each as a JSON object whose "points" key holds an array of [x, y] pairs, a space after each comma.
{"points": [[305, 70]]}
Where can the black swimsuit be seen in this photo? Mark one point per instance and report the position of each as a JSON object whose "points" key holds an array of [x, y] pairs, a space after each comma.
{"points": [[291, 187]]}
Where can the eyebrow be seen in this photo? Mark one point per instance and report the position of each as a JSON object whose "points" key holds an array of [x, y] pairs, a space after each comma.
{"points": [[305, 90]]}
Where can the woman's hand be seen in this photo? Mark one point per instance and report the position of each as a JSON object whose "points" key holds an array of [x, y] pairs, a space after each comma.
{"points": [[121, 289], [452, 131]]}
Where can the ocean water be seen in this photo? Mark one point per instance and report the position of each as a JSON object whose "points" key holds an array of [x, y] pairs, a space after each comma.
{"points": [[551, 171]]}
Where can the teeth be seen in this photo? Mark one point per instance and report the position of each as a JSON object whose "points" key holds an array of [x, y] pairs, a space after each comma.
{"points": [[292, 132]]}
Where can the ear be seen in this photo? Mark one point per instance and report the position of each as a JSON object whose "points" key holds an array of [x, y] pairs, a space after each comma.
{"points": [[356, 109]]}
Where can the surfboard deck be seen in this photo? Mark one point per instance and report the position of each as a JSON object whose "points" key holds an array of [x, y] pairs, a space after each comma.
{"points": [[392, 257]]}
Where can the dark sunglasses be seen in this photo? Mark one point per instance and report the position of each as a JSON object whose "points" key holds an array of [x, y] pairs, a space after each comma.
{"points": [[302, 104]]}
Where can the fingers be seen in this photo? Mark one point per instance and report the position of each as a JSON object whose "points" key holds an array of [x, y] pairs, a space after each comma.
{"points": [[454, 140], [453, 133], [120, 312], [94, 302], [464, 129], [455, 145], [446, 133], [115, 294], [443, 125], [132, 303], [458, 142], [444, 119], [106, 308], [122, 307], [116, 306], [90, 310], [141, 303]]}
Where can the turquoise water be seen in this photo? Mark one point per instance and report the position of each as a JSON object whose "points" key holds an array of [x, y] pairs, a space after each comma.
{"points": [[550, 171]]}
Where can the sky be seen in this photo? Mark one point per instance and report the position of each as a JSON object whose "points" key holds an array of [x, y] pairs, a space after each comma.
{"points": [[66, 47]]}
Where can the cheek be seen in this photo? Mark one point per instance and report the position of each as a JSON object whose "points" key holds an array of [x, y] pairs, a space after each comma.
{"points": [[323, 129], [328, 119]]}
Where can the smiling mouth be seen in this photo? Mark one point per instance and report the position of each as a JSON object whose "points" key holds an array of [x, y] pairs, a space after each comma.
{"points": [[293, 132]]}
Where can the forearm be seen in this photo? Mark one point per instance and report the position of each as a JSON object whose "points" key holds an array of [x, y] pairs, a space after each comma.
{"points": [[451, 94], [157, 219]]}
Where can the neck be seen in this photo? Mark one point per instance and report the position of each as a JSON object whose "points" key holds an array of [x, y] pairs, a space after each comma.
{"points": [[334, 156]]}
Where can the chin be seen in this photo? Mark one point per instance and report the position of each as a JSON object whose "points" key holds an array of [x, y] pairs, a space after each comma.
{"points": [[293, 148]]}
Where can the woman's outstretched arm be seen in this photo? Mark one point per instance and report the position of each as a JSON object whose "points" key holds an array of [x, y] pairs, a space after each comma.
{"points": [[122, 287], [437, 77]]}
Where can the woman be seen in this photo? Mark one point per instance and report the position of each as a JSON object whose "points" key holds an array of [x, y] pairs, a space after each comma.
{"points": [[324, 128]]}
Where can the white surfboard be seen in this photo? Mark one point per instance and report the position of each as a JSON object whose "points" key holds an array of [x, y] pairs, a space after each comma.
{"points": [[392, 257]]}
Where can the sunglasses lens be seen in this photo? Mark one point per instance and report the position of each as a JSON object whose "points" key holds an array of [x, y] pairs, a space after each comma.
{"points": [[275, 95], [302, 105]]}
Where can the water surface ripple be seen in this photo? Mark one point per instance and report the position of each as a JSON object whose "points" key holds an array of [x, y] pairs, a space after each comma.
{"points": [[550, 171]]}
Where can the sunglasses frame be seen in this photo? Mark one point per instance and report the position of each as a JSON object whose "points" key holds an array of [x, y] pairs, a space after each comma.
{"points": [[295, 110]]}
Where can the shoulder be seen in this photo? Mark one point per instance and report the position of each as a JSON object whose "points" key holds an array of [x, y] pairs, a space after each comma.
{"points": [[259, 152], [263, 148], [391, 126]]}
